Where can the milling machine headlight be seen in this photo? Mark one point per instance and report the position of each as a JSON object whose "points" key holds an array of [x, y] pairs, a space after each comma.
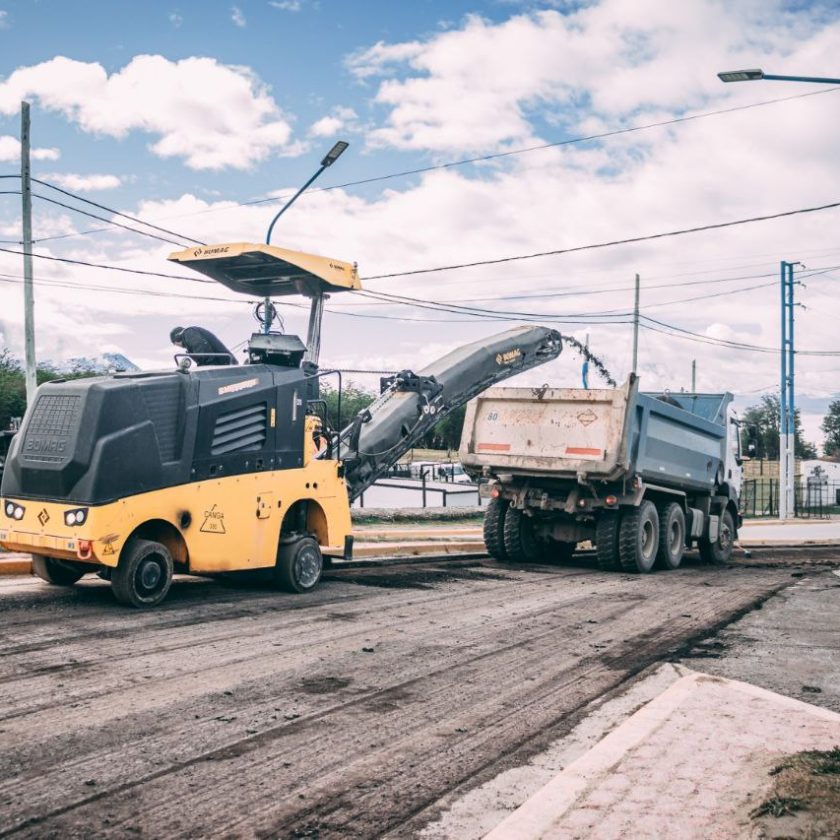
{"points": [[18, 514], [10, 509], [75, 517]]}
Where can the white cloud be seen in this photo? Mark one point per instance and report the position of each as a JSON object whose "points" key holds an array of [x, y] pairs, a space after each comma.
{"points": [[10, 150], [4, 19], [486, 85], [238, 17], [339, 118], [176, 19], [287, 5], [84, 183], [210, 114]]}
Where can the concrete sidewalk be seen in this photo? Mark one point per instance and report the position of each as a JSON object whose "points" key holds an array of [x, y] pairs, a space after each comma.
{"points": [[696, 759]]}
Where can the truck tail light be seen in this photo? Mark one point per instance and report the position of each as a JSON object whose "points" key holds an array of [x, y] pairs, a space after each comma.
{"points": [[611, 500]]}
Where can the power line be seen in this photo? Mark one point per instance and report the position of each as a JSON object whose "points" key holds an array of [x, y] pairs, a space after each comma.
{"points": [[107, 221], [116, 212], [107, 267], [594, 246], [440, 166]]}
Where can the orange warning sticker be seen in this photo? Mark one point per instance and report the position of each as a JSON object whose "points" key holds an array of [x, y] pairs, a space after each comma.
{"points": [[585, 451], [494, 447]]}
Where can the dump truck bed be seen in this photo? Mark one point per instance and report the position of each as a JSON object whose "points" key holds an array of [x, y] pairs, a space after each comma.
{"points": [[676, 441]]}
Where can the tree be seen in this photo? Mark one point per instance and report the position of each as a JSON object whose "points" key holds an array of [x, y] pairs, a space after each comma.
{"points": [[764, 417], [831, 426], [353, 400]]}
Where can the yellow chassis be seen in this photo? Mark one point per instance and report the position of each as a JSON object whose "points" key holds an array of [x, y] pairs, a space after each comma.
{"points": [[220, 525]]}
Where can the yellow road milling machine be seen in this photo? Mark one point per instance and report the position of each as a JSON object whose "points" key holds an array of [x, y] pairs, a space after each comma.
{"points": [[211, 468]]}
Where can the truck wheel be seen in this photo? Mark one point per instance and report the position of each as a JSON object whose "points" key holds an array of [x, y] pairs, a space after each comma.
{"points": [[494, 529], [143, 575], [671, 536], [606, 540], [299, 565], [721, 550], [56, 572], [521, 545], [638, 539]]}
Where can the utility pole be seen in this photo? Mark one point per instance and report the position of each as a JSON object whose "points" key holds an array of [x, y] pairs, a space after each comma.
{"points": [[28, 283], [694, 376], [787, 405], [636, 327]]}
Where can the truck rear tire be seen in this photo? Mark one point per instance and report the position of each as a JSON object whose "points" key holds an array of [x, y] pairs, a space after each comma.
{"points": [[720, 551], [143, 575], [671, 536], [638, 539], [299, 565], [56, 572], [606, 540], [494, 529], [521, 545]]}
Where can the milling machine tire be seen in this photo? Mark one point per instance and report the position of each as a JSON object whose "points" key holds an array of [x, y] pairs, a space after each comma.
{"points": [[606, 540], [56, 572], [299, 565], [521, 545], [494, 529], [638, 538], [143, 575], [671, 536], [720, 551]]}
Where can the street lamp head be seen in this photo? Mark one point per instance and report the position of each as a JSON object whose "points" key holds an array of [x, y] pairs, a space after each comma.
{"points": [[741, 75], [334, 153]]}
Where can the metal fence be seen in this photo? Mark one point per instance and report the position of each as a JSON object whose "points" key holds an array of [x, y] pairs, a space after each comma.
{"points": [[812, 499]]}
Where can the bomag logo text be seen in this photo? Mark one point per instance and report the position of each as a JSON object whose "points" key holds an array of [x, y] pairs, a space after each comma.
{"points": [[238, 386], [44, 445], [508, 357], [220, 249]]}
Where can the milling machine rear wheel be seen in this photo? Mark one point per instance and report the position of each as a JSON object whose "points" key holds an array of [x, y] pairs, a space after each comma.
{"points": [[494, 529], [143, 575], [638, 538], [299, 565], [606, 540], [56, 572], [521, 545]]}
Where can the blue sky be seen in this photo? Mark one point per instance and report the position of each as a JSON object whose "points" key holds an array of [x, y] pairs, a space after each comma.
{"points": [[176, 111], [299, 51]]}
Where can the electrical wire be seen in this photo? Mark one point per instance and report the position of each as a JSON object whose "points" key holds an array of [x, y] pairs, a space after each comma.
{"points": [[107, 221], [116, 212], [434, 167], [612, 243]]}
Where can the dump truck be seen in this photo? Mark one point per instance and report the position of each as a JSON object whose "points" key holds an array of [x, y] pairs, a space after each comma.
{"points": [[211, 467], [641, 476]]}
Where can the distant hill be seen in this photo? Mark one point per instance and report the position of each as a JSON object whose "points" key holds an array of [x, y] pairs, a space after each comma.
{"points": [[106, 363]]}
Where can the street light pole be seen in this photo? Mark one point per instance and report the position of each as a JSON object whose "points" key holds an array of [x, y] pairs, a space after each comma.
{"points": [[787, 405], [329, 159]]}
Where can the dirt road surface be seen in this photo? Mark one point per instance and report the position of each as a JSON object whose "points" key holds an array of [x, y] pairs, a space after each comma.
{"points": [[357, 711]]}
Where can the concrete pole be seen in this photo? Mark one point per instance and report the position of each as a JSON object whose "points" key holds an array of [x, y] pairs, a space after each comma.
{"points": [[636, 327], [28, 280], [694, 376]]}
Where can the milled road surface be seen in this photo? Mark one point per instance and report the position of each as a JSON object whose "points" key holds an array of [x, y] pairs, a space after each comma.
{"points": [[235, 711]]}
